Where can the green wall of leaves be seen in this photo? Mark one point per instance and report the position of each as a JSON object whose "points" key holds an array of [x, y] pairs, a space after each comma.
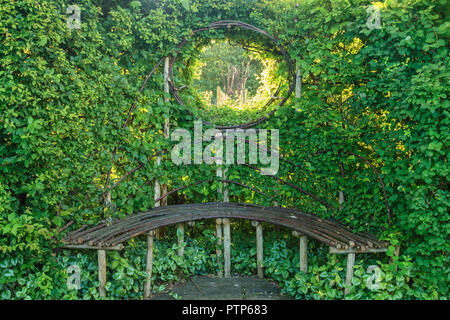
{"points": [[374, 103]]}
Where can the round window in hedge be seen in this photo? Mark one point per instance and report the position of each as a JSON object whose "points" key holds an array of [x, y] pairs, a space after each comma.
{"points": [[245, 78]]}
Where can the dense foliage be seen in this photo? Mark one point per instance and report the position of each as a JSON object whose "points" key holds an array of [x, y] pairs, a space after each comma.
{"points": [[373, 122]]}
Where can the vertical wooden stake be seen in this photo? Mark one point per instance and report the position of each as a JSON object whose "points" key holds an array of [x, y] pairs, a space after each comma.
{"points": [[149, 266], [180, 229], [341, 198], [226, 233], [219, 246], [166, 76], [226, 197], [298, 81], [259, 248], [396, 254], [161, 232], [226, 247], [102, 272], [108, 197], [304, 253], [341, 193], [157, 194], [219, 174], [349, 275]]}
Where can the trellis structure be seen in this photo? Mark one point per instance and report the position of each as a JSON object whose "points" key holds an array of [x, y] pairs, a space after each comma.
{"points": [[112, 235]]}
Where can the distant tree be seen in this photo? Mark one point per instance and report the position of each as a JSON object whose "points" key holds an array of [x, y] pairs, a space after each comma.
{"points": [[229, 66]]}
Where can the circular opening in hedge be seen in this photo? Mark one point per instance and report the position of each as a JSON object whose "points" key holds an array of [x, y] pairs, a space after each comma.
{"points": [[238, 76]]}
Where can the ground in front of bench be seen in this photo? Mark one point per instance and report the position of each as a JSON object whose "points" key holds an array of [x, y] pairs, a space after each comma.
{"points": [[215, 288]]}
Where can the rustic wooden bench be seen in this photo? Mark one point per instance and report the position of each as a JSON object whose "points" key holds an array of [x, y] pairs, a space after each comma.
{"points": [[112, 235]]}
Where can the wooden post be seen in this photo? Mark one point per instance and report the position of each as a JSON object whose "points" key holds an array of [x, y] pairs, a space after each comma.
{"points": [[157, 188], [259, 249], [108, 197], [166, 127], [157, 184], [166, 100], [226, 227], [180, 229], [226, 232], [226, 247], [304, 254], [341, 198], [341, 192], [157, 194], [303, 250], [349, 275], [102, 272], [219, 246], [298, 80], [149, 267], [220, 175], [396, 254], [162, 189], [226, 197]]}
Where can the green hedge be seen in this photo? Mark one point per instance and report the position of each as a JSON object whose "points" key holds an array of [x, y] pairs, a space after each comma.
{"points": [[372, 99]]}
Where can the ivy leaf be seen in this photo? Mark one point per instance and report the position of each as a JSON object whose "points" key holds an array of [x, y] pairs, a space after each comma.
{"points": [[185, 4]]}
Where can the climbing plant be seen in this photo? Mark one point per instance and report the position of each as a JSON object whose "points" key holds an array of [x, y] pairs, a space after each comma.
{"points": [[372, 122]]}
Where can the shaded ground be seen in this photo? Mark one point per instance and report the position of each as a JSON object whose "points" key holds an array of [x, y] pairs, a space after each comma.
{"points": [[215, 288]]}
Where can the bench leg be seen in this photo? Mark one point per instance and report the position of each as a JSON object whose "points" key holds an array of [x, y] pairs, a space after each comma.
{"points": [[149, 267], [102, 272], [180, 235], [259, 248], [304, 254], [219, 246], [226, 248], [349, 275]]}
